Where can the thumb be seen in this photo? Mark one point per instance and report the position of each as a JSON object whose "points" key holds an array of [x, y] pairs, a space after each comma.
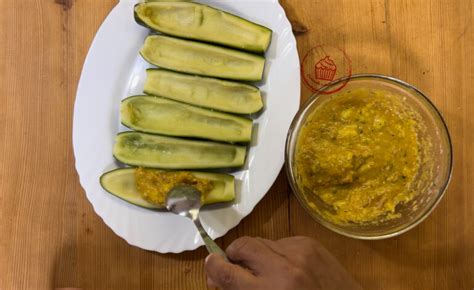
{"points": [[227, 276]]}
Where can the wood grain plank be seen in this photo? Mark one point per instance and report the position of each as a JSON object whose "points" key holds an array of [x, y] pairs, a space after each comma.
{"points": [[30, 55]]}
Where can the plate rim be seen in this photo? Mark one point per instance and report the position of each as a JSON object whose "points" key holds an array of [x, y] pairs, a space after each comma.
{"points": [[75, 137]]}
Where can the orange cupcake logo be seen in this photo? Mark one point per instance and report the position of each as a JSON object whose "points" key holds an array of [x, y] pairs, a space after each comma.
{"points": [[325, 69], [323, 64]]}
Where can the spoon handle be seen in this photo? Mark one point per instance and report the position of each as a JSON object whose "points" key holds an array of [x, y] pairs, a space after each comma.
{"points": [[211, 246]]}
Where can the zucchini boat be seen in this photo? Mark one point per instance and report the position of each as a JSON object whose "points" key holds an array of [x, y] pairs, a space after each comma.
{"points": [[146, 150], [122, 183], [162, 116], [202, 59], [227, 96], [203, 23]]}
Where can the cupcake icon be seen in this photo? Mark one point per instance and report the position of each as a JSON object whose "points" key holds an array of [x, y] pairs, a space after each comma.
{"points": [[325, 69]]}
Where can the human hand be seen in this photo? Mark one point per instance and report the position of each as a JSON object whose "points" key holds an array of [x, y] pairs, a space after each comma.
{"points": [[296, 263]]}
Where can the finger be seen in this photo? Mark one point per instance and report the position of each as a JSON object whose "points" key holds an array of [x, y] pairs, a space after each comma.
{"points": [[210, 283], [274, 246], [227, 276], [253, 254], [296, 240], [295, 243], [300, 250]]}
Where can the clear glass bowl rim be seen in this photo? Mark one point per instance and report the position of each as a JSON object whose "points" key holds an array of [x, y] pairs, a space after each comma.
{"points": [[291, 135]]}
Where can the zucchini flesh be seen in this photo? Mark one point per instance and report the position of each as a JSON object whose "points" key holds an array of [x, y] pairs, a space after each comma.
{"points": [[202, 59], [162, 116], [203, 23], [146, 150], [121, 183], [227, 96]]}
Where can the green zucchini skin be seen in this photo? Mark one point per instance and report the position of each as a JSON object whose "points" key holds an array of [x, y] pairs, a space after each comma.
{"points": [[202, 59], [158, 115], [121, 183], [222, 95], [154, 151], [203, 23]]}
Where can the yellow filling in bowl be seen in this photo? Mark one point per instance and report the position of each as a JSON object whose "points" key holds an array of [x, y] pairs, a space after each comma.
{"points": [[358, 154]]}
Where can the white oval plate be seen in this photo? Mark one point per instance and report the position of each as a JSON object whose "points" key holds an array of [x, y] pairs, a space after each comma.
{"points": [[113, 70]]}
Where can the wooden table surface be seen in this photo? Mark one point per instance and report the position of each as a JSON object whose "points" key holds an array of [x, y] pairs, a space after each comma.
{"points": [[50, 236]]}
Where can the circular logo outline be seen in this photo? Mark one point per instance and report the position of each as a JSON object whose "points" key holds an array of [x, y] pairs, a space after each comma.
{"points": [[311, 86]]}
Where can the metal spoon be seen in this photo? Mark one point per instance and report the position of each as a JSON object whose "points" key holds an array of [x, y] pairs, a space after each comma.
{"points": [[185, 200]]}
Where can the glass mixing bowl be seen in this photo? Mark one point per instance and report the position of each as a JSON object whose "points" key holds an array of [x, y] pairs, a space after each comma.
{"points": [[437, 163]]}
